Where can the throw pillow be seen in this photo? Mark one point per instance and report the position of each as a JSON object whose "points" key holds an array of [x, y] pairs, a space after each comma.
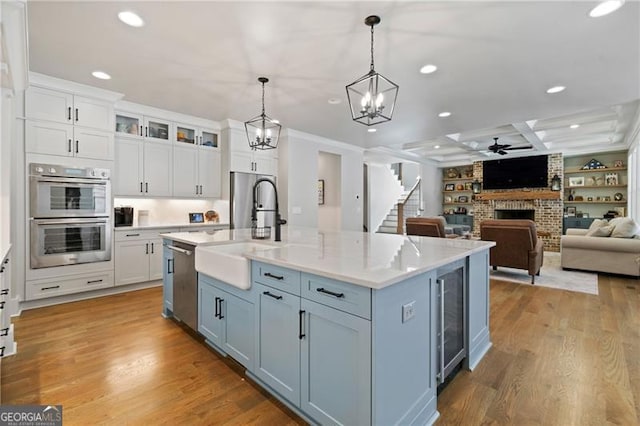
{"points": [[625, 228], [598, 223], [616, 220], [603, 231]]}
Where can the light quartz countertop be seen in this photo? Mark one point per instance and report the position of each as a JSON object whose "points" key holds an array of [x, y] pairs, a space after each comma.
{"points": [[171, 226], [370, 260]]}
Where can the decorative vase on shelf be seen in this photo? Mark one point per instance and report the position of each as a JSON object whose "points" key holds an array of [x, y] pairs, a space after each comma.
{"points": [[570, 198]]}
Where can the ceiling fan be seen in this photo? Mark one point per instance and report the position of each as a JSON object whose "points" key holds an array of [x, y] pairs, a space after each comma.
{"points": [[503, 148]]}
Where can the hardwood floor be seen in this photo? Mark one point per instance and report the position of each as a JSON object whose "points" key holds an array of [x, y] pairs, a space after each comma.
{"points": [[558, 358]]}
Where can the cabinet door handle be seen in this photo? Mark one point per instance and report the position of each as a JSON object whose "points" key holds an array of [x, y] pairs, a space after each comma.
{"points": [[77, 143], [266, 293], [4, 332], [220, 314], [277, 277], [4, 292], [146, 187], [1, 351], [146, 249], [151, 248], [76, 115], [49, 288], [331, 293], [146, 131], [301, 335], [215, 314], [196, 189], [1, 269], [169, 270], [94, 281], [69, 113], [141, 187], [70, 142], [2, 304]]}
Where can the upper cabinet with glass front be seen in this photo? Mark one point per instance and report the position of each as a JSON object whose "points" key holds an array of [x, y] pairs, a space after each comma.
{"points": [[194, 135], [137, 126]]}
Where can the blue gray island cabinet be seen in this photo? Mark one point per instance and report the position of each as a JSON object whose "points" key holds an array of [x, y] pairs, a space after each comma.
{"points": [[350, 328]]}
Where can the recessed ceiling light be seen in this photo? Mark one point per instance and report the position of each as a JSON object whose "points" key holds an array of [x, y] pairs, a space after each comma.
{"points": [[605, 8], [444, 114], [335, 101], [428, 69], [555, 89], [574, 126], [437, 147], [130, 18], [101, 75], [372, 130]]}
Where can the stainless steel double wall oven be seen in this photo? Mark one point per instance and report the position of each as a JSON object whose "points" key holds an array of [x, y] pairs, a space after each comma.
{"points": [[69, 215]]}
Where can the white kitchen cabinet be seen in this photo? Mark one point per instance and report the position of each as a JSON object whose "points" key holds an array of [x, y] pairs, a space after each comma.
{"points": [[157, 129], [143, 168], [46, 137], [244, 159], [195, 135], [197, 171], [138, 257], [66, 108], [129, 125]]}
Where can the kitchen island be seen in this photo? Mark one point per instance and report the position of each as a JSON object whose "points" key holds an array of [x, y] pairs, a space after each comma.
{"points": [[348, 327]]}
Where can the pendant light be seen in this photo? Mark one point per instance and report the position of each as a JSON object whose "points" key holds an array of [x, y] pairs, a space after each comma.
{"points": [[262, 131], [372, 97]]}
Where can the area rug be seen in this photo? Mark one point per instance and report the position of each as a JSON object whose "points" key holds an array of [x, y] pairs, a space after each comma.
{"points": [[552, 275]]}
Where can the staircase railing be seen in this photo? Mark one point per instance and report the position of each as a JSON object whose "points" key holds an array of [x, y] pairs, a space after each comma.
{"points": [[406, 208]]}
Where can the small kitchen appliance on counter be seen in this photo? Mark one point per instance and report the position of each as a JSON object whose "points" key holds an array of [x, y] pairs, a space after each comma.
{"points": [[123, 216]]}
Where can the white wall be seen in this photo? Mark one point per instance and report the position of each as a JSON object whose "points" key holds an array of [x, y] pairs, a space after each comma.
{"points": [[384, 192], [431, 189], [410, 173], [298, 173], [329, 170], [633, 171], [172, 212]]}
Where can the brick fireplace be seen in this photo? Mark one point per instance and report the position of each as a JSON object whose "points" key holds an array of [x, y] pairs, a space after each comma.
{"points": [[545, 204]]}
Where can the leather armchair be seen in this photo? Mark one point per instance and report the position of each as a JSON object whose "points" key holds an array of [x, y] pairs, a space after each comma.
{"points": [[517, 244], [427, 227]]}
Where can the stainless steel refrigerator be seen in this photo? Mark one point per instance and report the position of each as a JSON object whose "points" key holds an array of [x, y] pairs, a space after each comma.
{"points": [[241, 199]]}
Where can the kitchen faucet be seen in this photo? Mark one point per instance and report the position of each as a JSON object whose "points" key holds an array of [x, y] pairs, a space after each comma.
{"points": [[254, 210]]}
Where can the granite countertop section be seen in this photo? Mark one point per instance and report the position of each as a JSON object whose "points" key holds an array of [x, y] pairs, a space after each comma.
{"points": [[371, 260], [170, 226]]}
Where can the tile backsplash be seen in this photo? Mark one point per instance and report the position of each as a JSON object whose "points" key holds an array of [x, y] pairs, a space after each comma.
{"points": [[172, 211]]}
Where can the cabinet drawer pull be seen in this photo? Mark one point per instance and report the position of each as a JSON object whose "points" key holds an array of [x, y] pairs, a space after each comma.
{"points": [[51, 288], [277, 277], [4, 332], [132, 235], [301, 335], [6, 261], [1, 269], [266, 293], [4, 292], [331, 293], [169, 269], [94, 281]]}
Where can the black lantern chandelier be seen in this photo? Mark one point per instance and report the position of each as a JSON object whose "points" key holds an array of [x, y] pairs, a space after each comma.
{"points": [[262, 131], [372, 97]]}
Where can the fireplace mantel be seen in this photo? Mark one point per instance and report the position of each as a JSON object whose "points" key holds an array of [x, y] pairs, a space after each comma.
{"points": [[518, 195]]}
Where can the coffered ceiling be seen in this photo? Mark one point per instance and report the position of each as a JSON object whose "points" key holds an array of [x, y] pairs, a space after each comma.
{"points": [[495, 62]]}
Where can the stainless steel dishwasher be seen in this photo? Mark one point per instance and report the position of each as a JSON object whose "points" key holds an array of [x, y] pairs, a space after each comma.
{"points": [[185, 284]]}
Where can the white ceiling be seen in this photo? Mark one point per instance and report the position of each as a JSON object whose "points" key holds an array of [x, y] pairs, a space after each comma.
{"points": [[495, 61]]}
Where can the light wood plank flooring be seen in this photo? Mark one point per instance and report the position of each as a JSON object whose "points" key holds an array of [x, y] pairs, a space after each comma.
{"points": [[558, 358]]}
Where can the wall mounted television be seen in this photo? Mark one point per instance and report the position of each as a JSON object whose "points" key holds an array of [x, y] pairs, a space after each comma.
{"points": [[511, 173]]}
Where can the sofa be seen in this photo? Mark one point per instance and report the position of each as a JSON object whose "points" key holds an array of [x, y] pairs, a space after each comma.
{"points": [[612, 247], [517, 244]]}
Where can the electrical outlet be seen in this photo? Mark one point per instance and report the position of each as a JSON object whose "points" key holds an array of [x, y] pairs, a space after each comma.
{"points": [[408, 311]]}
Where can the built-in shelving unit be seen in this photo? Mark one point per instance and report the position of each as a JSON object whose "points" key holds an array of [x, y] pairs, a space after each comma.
{"points": [[457, 195], [596, 192]]}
